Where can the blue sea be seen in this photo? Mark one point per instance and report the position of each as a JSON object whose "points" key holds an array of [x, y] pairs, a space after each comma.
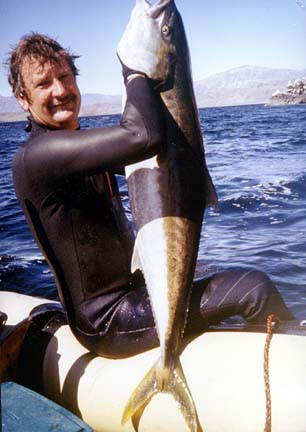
{"points": [[257, 158]]}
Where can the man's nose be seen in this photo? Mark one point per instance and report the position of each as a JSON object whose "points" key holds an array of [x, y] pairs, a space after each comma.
{"points": [[58, 89]]}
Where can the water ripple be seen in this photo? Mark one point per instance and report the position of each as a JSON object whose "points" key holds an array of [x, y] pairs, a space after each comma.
{"points": [[257, 158]]}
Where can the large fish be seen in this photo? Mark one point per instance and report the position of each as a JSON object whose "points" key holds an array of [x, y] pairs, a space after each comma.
{"points": [[168, 194]]}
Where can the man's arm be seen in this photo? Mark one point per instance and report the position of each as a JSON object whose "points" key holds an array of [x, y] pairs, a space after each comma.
{"points": [[63, 153]]}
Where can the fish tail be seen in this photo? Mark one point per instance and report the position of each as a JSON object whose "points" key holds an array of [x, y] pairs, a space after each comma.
{"points": [[140, 398], [157, 380], [178, 388]]}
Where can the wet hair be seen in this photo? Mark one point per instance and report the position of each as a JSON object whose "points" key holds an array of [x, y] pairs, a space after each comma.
{"points": [[41, 48]]}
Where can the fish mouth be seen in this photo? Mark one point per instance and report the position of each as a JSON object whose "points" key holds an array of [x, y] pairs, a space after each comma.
{"points": [[156, 9]]}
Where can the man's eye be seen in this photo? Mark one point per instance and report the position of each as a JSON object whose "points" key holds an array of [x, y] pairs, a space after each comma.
{"points": [[43, 84]]}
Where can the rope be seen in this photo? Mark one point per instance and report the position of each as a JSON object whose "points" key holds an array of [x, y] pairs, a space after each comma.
{"points": [[272, 321]]}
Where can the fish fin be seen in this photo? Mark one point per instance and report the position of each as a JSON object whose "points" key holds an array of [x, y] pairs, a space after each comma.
{"points": [[138, 414], [211, 194], [140, 398], [158, 380], [136, 263], [178, 388]]}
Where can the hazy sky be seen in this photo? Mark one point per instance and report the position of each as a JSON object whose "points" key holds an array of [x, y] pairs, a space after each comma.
{"points": [[222, 34]]}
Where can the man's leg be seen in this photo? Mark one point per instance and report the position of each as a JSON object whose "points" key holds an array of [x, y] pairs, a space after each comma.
{"points": [[130, 329], [246, 292]]}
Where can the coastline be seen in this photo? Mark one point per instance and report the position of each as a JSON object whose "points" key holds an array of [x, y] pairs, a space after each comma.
{"points": [[11, 117], [243, 85]]}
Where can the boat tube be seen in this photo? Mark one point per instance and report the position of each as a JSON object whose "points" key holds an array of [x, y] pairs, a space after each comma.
{"points": [[224, 368]]}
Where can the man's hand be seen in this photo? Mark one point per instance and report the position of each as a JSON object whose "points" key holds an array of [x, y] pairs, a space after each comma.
{"points": [[134, 75], [130, 74], [157, 85]]}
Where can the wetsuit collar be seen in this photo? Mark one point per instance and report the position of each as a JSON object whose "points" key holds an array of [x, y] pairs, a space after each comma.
{"points": [[36, 128]]}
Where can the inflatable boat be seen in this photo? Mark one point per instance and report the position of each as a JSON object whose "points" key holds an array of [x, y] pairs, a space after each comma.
{"points": [[241, 378]]}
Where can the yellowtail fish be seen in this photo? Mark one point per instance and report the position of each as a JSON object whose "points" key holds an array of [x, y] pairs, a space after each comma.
{"points": [[168, 194]]}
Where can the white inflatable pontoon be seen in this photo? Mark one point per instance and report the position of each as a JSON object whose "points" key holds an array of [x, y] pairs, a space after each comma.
{"points": [[224, 369]]}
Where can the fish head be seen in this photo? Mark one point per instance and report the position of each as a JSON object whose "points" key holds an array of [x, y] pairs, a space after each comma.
{"points": [[152, 39]]}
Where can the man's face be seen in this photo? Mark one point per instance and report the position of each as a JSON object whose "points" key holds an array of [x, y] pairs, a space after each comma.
{"points": [[53, 97]]}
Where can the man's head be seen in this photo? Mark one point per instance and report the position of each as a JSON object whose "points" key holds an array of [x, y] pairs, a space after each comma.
{"points": [[43, 78]]}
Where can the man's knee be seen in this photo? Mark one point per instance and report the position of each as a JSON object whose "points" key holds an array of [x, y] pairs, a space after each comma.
{"points": [[262, 300], [246, 292], [258, 288], [258, 285]]}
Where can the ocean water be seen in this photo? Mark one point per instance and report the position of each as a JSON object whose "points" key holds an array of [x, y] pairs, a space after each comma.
{"points": [[257, 158]]}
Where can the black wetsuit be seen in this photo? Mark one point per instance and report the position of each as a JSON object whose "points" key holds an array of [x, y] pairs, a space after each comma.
{"points": [[65, 182]]}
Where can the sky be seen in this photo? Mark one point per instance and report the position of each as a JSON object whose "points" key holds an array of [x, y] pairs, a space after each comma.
{"points": [[222, 34]]}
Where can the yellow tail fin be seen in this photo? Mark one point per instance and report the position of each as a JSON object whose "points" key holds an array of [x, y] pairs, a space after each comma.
{"points": [[173, 382]]}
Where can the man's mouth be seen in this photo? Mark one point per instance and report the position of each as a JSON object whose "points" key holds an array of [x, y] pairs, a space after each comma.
{"points": [[61, 104]]}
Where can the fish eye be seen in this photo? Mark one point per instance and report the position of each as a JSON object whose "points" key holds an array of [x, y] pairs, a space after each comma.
{"points": [[165, 30]]}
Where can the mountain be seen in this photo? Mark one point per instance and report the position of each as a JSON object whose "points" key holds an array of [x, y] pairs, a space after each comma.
{"points": [[9, 104], [97, 104], [92, 104], [243, 85]]}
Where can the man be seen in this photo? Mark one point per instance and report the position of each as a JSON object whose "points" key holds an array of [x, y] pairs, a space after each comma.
{"points": [[65, 182]]}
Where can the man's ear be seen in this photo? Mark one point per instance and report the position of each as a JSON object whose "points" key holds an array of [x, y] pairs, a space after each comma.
{"points": [[23, 102]]}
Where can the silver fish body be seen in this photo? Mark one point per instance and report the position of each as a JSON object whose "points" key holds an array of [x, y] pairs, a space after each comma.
{"points": [[168, 194]]}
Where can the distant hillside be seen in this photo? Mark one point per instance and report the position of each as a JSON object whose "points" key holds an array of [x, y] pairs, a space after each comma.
{"points": [[92, 104], [243, 85], [9, 104], [98, 104], [239, 86]]}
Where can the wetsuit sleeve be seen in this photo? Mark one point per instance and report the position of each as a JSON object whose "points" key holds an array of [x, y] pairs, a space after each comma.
{"points": [[137, 137]]}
